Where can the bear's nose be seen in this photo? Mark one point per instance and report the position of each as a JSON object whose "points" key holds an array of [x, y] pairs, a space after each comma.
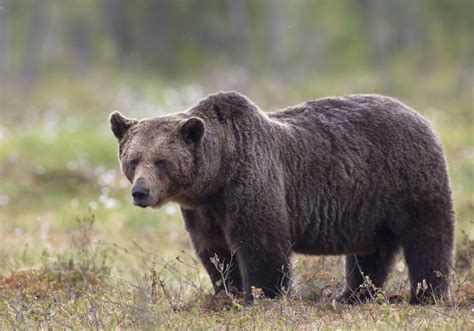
{"points": [[140, 195]]}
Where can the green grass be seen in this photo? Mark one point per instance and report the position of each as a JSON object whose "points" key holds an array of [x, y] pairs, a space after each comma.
{"points": [[94, 283], [58, 166]]}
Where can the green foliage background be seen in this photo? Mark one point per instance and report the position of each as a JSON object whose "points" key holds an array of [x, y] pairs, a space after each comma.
{"points": [[65, 65]]}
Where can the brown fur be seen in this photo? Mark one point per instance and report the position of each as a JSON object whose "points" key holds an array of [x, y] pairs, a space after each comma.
{"points": [[361, 175]]}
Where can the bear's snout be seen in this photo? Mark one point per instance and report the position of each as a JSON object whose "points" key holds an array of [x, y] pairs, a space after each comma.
{"points": [[141, 196]]}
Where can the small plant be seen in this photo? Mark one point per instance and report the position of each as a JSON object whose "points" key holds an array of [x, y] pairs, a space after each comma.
{"points": [[224, 271], [82, 271]]}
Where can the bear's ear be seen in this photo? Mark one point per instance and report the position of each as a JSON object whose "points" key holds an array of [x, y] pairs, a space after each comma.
{"points": [[120, 124], [192, 129]]}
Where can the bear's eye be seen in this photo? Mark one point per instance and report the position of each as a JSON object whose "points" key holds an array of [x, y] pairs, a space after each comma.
{"points": [[134, 163], [160, 162]]}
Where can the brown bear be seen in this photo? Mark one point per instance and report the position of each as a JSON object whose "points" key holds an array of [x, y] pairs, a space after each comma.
{"points": [[359, 175]]}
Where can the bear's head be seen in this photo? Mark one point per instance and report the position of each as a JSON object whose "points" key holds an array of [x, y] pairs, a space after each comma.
{"points": [[166, 158], [186, 157]]}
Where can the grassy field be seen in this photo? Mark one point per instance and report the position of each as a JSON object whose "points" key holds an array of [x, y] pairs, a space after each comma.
{"points": [[76, 254]]}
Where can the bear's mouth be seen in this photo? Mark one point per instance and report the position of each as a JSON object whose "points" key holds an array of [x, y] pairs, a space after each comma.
{"points": [[147, 203], [140, 204]]}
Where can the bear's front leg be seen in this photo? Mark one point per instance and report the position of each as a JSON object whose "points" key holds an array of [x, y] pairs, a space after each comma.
{"points": [[261, 242], [212, 249]]}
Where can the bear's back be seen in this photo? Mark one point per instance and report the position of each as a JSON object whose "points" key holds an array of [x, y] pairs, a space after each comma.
{"points": [[363, 109], [361, 121]]}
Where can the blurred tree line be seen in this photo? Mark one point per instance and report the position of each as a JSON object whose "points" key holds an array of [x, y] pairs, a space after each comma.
{"points": [[182, 38]]}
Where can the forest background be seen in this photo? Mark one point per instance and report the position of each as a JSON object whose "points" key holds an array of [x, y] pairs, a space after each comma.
{"points": [[65, 65]]}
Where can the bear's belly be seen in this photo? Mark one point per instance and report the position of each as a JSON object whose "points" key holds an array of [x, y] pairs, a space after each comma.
{"points": [[321, 250], [333, 242]]}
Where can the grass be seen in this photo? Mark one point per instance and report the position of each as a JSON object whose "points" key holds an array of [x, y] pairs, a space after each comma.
{"points": [[97, 284], [76, 254]]}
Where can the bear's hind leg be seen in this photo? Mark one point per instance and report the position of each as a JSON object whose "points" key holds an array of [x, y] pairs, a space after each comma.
{"points": [[375, 266], [429, 262], [428, 249]]}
